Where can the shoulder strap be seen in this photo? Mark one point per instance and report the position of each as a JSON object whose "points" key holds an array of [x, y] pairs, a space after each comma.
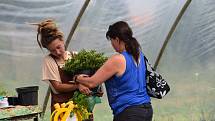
{"points": [[54, 59], [146, 60]]}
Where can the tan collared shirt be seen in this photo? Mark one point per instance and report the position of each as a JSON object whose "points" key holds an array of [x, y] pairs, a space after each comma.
{"points": [[50, 69]]}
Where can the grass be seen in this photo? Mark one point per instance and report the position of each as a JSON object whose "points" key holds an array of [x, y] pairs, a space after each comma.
{"points": [[189, 100]]}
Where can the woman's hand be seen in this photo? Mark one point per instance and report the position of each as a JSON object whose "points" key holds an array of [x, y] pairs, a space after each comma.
{"points": [[83, 89], [76, 78]]}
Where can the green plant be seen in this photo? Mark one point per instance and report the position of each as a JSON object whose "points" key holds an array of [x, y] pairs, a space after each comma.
{"points": [[3, 92], [85, 104], [85, 60]]}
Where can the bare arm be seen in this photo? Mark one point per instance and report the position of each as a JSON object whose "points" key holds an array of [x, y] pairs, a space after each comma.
{"points": [[115, 65], [62, 87]]}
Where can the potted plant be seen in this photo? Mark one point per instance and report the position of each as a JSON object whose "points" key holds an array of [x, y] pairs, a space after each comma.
{"points": [[86, 62]]}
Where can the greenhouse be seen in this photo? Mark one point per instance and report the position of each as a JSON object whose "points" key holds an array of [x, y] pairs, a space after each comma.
{"points": [[177, 37]]}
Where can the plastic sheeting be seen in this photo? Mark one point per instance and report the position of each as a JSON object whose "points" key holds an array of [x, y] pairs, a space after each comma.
{"points": [[187, 62], [20, 55]]}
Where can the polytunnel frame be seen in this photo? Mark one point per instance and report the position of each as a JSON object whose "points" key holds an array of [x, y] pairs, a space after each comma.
{"points": [[169, 35], [163, 47]]}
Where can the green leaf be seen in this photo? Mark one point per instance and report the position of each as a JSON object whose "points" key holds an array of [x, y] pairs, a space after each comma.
{"points": [[85, 60]]}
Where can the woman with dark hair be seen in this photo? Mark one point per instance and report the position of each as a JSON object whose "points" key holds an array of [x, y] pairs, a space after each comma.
{"points": [[124, 76], [51, 38]]}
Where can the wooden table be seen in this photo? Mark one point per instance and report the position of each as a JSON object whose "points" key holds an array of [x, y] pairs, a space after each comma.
{"points": [[17, 113]]}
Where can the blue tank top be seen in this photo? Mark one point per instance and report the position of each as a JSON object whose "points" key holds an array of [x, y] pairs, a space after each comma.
{"points": [[130, 88]]}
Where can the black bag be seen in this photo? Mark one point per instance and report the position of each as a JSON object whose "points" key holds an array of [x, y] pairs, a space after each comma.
{"points": [[157, 87]]}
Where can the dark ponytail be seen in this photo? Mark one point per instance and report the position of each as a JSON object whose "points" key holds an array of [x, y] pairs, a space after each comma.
{"points": [[122, 30], [133, 47]]}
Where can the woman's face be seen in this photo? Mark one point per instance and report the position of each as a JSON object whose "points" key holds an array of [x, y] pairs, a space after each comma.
{"points": [[57, 48]]}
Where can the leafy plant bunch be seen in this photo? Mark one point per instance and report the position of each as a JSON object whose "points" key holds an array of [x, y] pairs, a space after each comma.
{"points": [[82, 104], [3, 92], [85, 60]]}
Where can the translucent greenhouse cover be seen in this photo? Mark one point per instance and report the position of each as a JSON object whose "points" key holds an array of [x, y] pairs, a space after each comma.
{"points": [[187, 62]]}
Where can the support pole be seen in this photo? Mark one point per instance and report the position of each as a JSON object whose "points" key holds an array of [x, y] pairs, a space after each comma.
{"points": [[48, 92], [171, 32], [76, 23]]}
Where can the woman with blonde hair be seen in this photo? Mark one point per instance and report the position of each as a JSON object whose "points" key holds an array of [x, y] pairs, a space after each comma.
{"points": [[51, 38]]}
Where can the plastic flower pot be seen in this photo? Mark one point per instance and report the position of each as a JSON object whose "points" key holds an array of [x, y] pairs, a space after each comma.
{"points": [[28, 95]]}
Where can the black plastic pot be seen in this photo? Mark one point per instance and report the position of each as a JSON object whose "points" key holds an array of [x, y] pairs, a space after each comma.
{"points": [[97, 90], [28, 95], [88, 72], [13, 101]]}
